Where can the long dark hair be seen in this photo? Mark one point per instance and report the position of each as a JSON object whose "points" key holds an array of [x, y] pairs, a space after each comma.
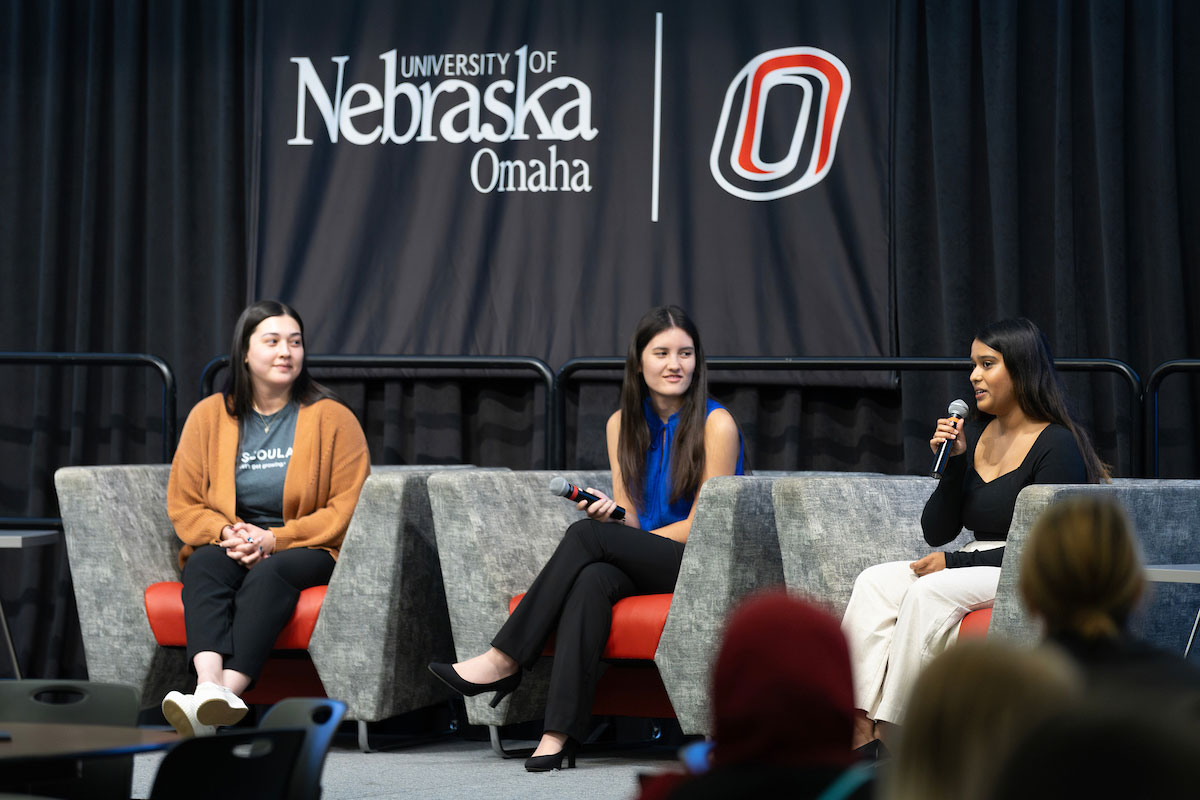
{"points": [[687, 458], [239, 391], [1026, 353]]}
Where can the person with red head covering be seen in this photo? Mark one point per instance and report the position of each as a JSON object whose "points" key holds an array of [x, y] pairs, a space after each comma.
{"points": [[783, 710]]}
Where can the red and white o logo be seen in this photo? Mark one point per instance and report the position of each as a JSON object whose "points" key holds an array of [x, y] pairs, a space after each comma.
{"points": [[737, 161]]}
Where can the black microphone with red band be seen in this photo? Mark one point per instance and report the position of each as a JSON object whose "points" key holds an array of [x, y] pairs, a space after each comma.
{"points": [[561, 488]]}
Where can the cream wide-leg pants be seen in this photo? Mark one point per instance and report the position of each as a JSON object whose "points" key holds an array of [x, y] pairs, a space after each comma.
{"points": [[896, 623]]}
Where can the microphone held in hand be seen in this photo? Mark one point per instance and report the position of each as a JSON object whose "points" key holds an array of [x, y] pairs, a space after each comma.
{"points": [[561, 488], [958, 409]]}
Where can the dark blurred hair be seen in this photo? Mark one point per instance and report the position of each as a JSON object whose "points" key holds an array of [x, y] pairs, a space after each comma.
{"points": [[687, 459], [1040, 395], [1080, 570], [1103, 750], [239, 391]]}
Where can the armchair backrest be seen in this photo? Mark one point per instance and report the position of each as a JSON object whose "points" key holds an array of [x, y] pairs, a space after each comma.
{"points": [[495, 531], [119, 541], [732, 550], [832, 528], [384, 614], [1165, 516]]}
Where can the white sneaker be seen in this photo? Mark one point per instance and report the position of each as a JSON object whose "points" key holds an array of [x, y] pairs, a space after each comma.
{"points": [[217, 705], [180, 711]]}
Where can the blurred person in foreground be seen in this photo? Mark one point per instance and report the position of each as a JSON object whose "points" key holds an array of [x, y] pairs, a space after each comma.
{"points": [[968, 710], [1103, 751], [783, 707], [1082, 577], [1137, 736]]}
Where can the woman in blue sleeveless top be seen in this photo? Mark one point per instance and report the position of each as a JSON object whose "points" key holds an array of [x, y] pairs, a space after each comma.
{"points": [[667, 439]]}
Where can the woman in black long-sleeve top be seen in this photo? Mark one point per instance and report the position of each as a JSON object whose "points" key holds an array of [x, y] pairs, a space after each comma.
{"points": [[902, 614], [963, 500]]}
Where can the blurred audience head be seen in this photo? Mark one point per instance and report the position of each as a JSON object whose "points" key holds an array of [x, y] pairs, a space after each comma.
{"points": [[782, 704], [969, 707], [1100, 751], [782, 694], [1080, 572]]}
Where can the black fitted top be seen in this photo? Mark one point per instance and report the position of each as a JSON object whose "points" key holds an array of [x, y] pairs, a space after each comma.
{"points": [[963, 500]]}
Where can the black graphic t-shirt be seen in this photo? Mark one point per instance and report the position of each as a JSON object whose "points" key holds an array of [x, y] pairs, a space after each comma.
{"points": [[264, 451]]}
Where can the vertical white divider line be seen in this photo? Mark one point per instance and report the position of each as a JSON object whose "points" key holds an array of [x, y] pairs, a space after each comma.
{"points": [[658, 19]]}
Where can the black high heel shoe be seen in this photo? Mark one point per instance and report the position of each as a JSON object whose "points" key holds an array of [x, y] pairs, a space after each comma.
{"points": [[554, 760], [873, 751], [503, 687]]}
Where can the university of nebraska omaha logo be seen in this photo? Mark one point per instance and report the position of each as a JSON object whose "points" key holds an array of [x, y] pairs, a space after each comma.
{"points": [[811, 89]]}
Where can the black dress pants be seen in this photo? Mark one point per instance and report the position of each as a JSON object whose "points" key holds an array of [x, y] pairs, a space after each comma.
{"points": [[595, 565], [239, 612]]}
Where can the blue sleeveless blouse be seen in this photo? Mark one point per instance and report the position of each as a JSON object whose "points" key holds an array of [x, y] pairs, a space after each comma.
{"points": [[657, 509]]}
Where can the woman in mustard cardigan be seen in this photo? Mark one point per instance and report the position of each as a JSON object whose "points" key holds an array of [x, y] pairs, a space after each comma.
{"points": [[262, 487]]}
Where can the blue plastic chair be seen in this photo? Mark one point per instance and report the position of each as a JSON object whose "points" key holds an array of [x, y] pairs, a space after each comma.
{"points": [[255, 764], [319, 717]]}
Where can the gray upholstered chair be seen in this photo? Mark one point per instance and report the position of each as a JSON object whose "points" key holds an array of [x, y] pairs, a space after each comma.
{"points": [[382, 620], [732, 551], [384, 617], [495, 534], [1166, 517], [832, 528]]}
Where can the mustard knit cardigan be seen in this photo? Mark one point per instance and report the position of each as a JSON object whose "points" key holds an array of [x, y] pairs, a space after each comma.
{"points": [[329, 464]]}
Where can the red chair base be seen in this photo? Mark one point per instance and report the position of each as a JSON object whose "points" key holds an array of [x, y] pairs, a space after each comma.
{"points": [[290, 674], [632, 689], [287, 673]]}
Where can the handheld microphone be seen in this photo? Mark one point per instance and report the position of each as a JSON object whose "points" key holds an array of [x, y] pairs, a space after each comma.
{"points": [[561, 488], [958, 409]]}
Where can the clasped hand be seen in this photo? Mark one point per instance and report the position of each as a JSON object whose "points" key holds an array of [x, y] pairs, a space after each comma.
{"points": [[247, 544], [601, 510]]}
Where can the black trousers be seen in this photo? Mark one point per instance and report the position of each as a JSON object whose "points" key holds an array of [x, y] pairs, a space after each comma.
{"points": [[594, 566], [239, 612]]}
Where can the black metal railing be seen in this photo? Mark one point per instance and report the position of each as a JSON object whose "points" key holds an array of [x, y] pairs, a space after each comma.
{"points": [[1143, 422], [508, 363], [1150, 403], [886, 363], [99, 360]]}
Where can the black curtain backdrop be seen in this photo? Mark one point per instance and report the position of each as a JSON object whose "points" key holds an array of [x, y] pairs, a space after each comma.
{"points": [[122, 229], [1046, 167], [1041, 166]]}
